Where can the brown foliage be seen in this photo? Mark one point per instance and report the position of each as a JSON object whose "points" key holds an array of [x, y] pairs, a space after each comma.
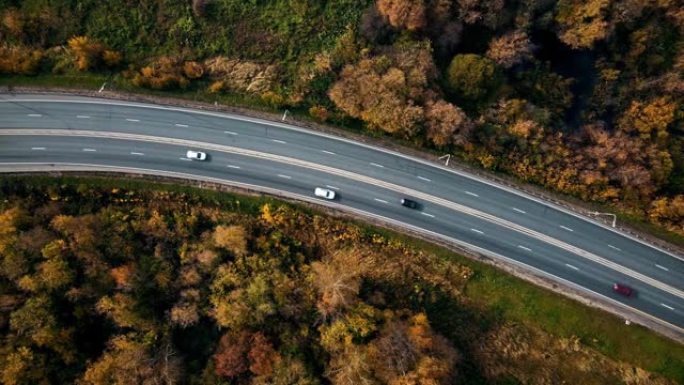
{"points": [[90, 54], [165, 73], [486, 12], [20, 60], [231, 354], [446, 124], [338, 280], [510, 49], [408, 14], [232, 238], [193, 69], [649, 120], [386, 91], [262, 356], [582, 23]]}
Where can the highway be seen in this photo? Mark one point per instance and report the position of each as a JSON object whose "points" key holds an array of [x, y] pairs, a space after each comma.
{"points": [[40, 130]]}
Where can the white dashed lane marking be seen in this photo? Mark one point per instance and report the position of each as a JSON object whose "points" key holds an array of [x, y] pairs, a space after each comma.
{"points": [[279, 141], [571, 266], [230, 132], [133, 120], [328, 152], [89, 150], [518, 210], [82, 117], [137, 153], [614, 248], [667, 306], [662, 267], [233, 166], [284, 176], [380, 200], [471, 194], [332, 187], [181, 125], [477, 231], [524, 248], [377, 165], [181, 158], [428, 215], [566, 228], [38, 148], [35, 115], [424, 178]]}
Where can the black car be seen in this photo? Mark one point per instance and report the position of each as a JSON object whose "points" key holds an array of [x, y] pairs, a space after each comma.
{"points": [[409, 203]]}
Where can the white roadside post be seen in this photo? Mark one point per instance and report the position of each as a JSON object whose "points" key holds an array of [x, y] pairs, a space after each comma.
{"points": [[447, 156], [609, 214], [285, 114]]}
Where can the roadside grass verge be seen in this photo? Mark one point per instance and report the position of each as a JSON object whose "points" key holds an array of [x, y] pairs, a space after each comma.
{"points": [[495, 293]]}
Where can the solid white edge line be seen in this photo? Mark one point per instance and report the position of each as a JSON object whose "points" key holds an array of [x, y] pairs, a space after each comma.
{"points": [[572, 267], [112, 102], [466, 245]]}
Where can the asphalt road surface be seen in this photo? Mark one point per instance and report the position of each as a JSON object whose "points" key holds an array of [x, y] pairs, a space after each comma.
{"points": [[42, 130]]}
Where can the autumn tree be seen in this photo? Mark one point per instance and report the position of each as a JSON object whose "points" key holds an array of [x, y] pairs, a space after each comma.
{"points": [[404, 14], [473, 77], [232, 238], [486, 12], [22, 366], [338, 281], [446, 124], [231, 354], [127, 360], [582, 23], [90, 54], [409, 351], [20, 60], [510, 49], [387, 91], [649, 120]]}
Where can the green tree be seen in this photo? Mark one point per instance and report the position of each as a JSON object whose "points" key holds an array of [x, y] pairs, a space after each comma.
{"points": [[473, 78]]}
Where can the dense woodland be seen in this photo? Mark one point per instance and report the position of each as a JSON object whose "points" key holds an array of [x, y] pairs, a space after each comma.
{"points": [[584, 97], [102, 285]]}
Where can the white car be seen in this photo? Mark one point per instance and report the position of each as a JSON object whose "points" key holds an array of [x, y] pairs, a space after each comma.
{"points": [[196, 155], [324, 193]]}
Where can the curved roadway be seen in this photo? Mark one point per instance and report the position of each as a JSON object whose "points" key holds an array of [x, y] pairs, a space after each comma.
{"points": [[70, 131]]}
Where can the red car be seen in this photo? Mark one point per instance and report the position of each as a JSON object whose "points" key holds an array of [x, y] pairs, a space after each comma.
{"points": [[622, 289]]}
